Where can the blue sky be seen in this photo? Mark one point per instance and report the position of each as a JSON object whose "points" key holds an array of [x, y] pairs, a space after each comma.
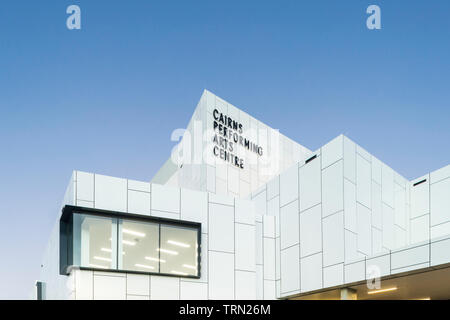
{"points": [[106, 98]]}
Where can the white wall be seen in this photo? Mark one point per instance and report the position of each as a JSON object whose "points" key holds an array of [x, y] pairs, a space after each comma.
{"points": [[343, 213], [56, 286], [205, 172], [440, 202], [228, 268], [316, 225]]}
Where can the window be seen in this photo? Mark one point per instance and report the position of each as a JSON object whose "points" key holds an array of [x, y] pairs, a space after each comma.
{"points": [[178, 250], [139, 244], [93, 243], [98, 239]]}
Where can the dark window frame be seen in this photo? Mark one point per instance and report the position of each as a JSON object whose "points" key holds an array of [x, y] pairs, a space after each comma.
{"points": [[66, 238]]}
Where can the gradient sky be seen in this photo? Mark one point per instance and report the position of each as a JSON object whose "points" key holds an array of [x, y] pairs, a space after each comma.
{"points": [[106, 98]]}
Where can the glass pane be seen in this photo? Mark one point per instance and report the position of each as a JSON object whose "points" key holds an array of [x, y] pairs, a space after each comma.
{"points": [[138, 246], [94, 241], [178, 250]]}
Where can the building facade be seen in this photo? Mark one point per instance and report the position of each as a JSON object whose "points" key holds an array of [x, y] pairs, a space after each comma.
{"points": [[240, 211]]}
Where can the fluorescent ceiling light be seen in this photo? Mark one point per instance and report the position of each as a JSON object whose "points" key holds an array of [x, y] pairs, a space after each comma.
{"points": [[134, 233], [102, 258], [382, 290], [179, 273], [109, 250], [143, 266], [155, 259], [97, 266], [180, 244], [129, 243], [189, 266], [167, 251]]}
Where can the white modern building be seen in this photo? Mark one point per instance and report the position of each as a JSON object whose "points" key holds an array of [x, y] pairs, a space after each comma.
{"points": [[239, 211]]}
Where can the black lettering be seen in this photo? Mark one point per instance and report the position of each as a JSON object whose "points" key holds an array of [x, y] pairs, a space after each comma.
{"points": [[260, 151], [247, 143], [222, 142], [215, 114]]}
